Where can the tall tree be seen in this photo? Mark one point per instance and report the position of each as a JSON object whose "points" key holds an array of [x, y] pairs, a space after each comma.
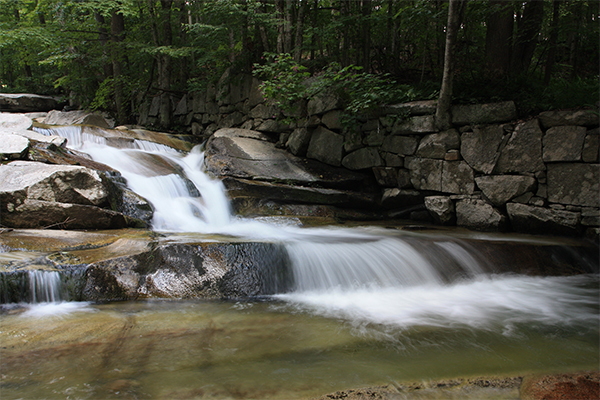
{"points": [[443, 119], [529, 24], [498, 38]]}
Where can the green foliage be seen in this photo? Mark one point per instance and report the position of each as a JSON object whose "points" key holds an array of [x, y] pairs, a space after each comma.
{"points": [[285, 82]]}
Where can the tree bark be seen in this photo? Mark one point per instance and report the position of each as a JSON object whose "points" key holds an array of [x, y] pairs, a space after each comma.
{"points": [[280, 25], [117, 27], [498, 37], [287, 27], [443, 119], [551, 58], [299, 32], [366, 36]]}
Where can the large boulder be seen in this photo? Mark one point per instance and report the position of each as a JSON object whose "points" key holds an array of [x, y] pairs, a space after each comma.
{"points": [[441, 209], [523, 152], [479, 215], [252, 166], [34, 195], [539, 220], [24, 102], [79, 117], [500, 189]]}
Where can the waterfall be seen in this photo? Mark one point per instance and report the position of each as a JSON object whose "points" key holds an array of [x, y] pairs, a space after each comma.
{"points": [[363, 275], [44, 286]]}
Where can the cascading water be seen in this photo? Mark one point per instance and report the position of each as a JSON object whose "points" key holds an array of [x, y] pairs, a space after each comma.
{"points": [[44, 286], [364, 275]]}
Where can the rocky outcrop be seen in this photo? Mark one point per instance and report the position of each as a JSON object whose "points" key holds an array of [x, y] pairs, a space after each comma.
{"points": [[130, 265], [79, 117], [36, 195], [252, 166]]}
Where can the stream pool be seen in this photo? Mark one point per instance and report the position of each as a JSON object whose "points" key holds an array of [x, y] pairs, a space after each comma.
{"points": [[295, 346]]}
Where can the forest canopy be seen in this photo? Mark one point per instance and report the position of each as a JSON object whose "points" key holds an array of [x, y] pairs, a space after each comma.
{"points": [[112, 55]]}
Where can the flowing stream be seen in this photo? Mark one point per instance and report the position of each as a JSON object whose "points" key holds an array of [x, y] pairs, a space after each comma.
{"points": [[370, 307]]}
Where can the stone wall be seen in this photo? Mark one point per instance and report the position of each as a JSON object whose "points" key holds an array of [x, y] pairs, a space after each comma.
{"points": [[490, 172]]}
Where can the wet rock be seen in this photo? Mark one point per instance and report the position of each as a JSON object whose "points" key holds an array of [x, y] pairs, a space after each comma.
{"points": [[64, 184], [484, 113], [563, 143], [531, 219], [581, 385], [500, 189], [574, 183], [237, 188], [441, 209], [479, 215], [480, 147], [29, 213], [523, 152]]}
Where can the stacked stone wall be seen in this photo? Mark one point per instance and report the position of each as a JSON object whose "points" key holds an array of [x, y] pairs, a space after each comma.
{"points": [[490, 172]]}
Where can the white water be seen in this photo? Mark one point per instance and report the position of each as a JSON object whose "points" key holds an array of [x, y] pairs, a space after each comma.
{"points": [[44, 286], [360, 275]]}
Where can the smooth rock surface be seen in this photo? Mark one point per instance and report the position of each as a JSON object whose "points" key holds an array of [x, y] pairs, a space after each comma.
{"points": [[531, 219]]}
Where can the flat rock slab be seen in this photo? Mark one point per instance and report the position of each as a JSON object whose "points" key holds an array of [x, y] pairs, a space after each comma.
{"points": [[14, 122], [246, 154], [24, 102]]}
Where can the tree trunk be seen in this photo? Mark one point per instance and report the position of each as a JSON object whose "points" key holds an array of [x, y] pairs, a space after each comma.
{"points": [[117, 27], [287, 27], [550, 60], [164, 65], [366, 36], [443, 119], [498, 37], [299, 32], [528, 29], [280, 25]]}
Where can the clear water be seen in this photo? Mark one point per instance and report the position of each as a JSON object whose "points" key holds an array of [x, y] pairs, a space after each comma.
{"points": [[368, 308]]}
